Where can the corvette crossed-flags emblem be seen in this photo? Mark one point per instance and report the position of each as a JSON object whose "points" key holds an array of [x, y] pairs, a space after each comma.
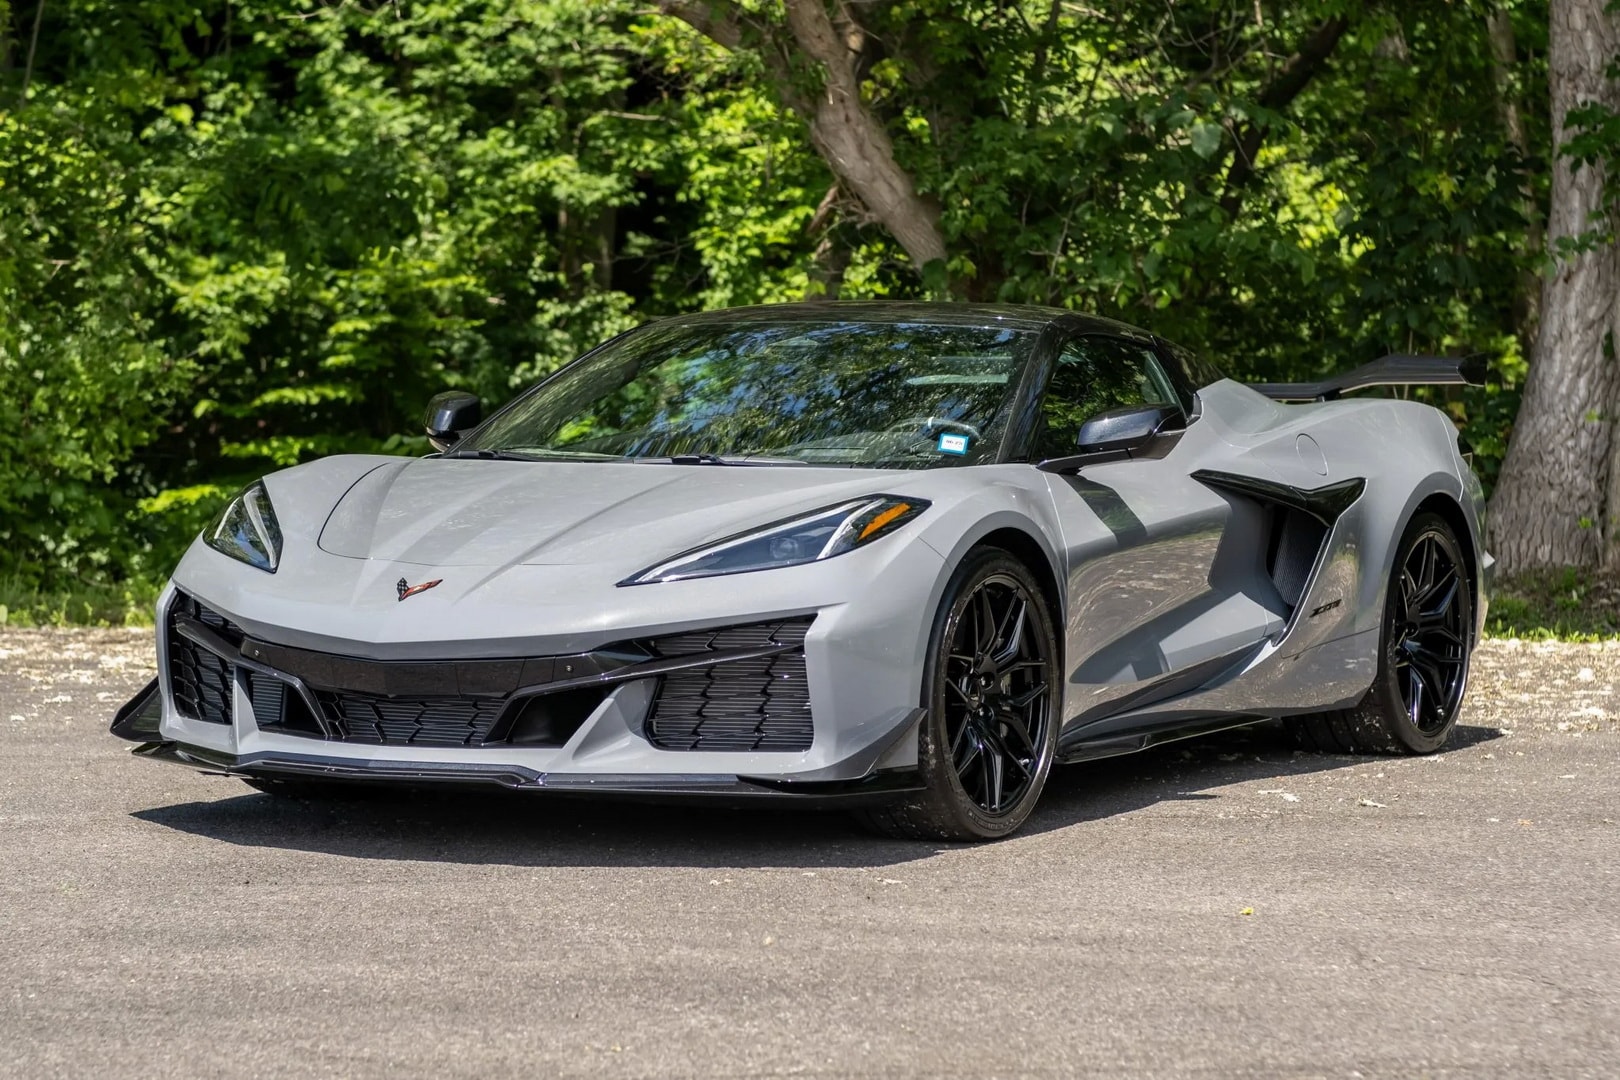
{"points": [[406, 589]]}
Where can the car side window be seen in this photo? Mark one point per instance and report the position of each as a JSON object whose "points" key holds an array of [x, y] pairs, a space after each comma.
{"points": [[1094, 374]]}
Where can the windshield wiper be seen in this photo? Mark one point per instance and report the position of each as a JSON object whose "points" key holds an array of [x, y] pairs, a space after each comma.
{"points": [[494, 455], [716, 459]]}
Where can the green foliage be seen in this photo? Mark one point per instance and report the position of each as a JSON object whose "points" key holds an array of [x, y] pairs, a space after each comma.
{"points": [[238, 234], [1567, 605], [128, 603]]}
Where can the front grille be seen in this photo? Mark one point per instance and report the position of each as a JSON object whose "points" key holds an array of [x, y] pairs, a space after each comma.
{"points": [[200, 681], [762, 704], [737, 705], [398, 721]]}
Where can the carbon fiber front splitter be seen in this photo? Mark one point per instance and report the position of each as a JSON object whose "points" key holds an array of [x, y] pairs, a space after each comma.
{"points": [[877, 787]]}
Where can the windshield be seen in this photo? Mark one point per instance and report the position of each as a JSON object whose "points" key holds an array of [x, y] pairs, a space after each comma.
{"points": [[883, 394]]}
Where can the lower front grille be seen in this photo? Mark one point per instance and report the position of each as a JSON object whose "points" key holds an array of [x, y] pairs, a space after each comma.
{"points": [[737, 705], [394, 721], [757, 704], [201, 681]]}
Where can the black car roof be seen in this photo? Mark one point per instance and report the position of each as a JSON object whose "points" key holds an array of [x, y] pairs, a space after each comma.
{"points": [[1024, 316]]}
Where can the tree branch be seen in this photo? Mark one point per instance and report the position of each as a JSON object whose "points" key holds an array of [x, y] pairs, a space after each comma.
{"points": [[843, 129], [1295, 75], [716, 20], [33, 43]]}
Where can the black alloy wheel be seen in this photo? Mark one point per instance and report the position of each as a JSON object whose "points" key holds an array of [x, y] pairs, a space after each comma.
{"points": [[992, 693], [998, 698], [1425, 643], [1428, 648]]}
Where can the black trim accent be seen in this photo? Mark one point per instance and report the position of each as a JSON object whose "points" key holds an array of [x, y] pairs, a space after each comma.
{"points": [[873, 787], [452, 678], [1073, 463], [137, 719], [474, 678], [201, 634], [1112, 429], [1393, 370], [1325, 503], [1115, 745], [1156, 448]]}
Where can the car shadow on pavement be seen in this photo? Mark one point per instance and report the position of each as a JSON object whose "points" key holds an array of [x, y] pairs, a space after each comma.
{"points": [[1185, 771], [519, 829]]}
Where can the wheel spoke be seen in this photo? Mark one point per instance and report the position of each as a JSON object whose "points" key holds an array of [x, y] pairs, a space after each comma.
{"points": [[1018, 727], [1409, 593], [1003, 624], [993, 780], [1441, 633], [971, 751], [1443, 584], [1011, 643], [1430, 552], [1435, 682], [1441, 608], [985, 638], [961, 693], [1028, 697]]}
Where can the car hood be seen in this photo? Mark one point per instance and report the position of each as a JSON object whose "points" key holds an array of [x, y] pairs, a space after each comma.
{"points": [[448, 512]]}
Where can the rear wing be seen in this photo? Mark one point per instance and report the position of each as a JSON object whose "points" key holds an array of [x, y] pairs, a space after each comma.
{"points": [[1390, 371]]}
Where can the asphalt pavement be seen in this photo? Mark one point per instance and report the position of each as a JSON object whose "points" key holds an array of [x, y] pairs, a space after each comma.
{"points": [[1222, 908]]}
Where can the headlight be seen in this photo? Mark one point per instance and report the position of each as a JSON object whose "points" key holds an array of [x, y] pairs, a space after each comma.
{"points": [[246, 529], [804, 539]]}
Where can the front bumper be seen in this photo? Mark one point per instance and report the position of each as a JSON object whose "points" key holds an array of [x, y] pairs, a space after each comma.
{"points": [[618, 749]]}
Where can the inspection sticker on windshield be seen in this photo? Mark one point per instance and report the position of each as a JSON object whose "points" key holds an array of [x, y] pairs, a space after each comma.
{"points": [[953, 444]]}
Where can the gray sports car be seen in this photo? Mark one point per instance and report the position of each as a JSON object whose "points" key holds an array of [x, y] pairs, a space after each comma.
{"points": [[907, 556]]}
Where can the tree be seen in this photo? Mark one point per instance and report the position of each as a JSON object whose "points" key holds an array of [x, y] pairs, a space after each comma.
{"points": [[816, 69], [238, 234], [1558, 495]]}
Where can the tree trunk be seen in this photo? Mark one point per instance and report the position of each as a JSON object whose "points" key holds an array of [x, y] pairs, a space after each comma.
{"points": [[855, 145], [843, 130], [1549, 507]]}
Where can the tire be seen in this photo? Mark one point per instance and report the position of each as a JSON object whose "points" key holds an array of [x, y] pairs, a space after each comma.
{"points": [[986, 744], [1424, 646]]}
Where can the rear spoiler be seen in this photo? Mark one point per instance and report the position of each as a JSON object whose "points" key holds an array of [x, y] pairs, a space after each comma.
{"points": [[1390, 371]]}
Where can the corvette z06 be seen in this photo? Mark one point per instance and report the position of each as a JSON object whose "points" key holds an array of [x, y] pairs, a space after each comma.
{"points": [[904, 556]]}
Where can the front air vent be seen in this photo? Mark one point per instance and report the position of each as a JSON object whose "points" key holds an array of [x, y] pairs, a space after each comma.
{"points": [[409, 721], [757, 704], [279, 708], [200, 681]]}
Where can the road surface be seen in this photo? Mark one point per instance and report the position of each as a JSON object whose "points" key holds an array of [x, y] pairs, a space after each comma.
{"points": [[1225, 908]]}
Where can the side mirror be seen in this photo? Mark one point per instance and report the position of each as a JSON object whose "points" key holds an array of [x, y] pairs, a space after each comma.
{"points": [[1129, 428], [451, 415]]}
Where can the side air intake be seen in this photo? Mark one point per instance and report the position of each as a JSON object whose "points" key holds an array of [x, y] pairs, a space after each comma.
{"points": [[1301, 519], [1296, 540]]}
